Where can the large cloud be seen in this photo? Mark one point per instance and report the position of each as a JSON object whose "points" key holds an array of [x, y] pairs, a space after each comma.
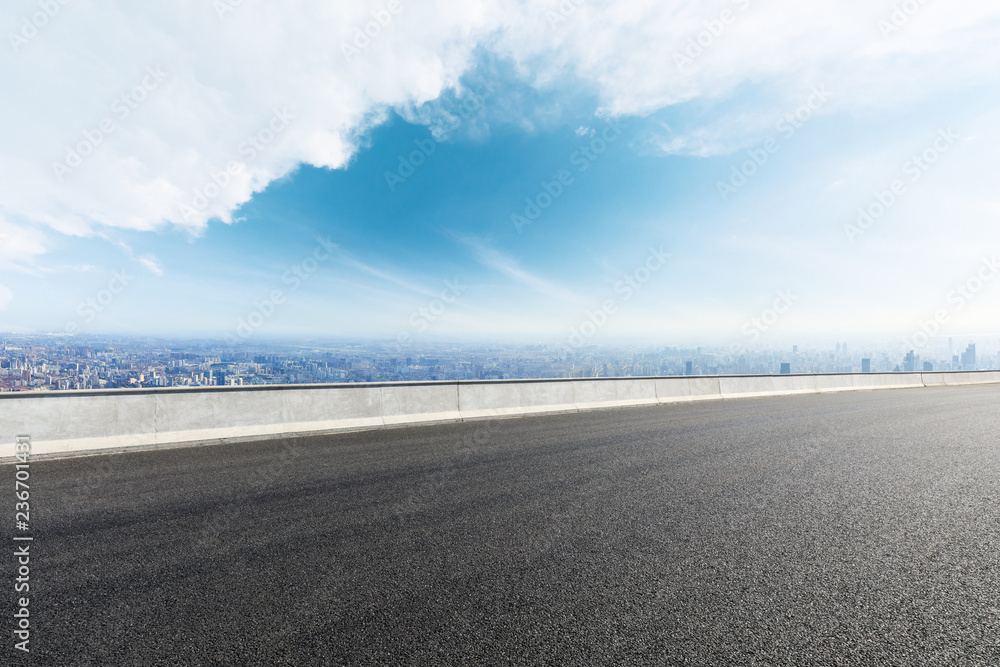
{"points": [[188, 88], [19, 246]]}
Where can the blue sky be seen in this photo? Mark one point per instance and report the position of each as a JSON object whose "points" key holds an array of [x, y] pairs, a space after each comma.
{"points": [[642, 149]]}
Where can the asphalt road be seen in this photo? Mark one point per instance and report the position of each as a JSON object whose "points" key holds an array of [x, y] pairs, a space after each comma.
{"points": [[850, 529]]}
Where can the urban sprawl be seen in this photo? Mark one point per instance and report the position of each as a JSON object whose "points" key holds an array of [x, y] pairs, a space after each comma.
{"points": [[54, 362]]}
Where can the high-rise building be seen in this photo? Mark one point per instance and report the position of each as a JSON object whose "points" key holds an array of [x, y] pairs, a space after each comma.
{"points": [[969, 358], [786, 369], [910, 362], [866, 365], [928, 367], [688, 368]]}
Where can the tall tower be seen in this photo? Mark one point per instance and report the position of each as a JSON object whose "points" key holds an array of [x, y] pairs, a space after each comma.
{"points": [[969, 358]]}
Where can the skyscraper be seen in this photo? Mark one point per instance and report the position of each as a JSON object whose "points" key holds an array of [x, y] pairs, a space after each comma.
{"points": [[786, 369], [969, 358], [866, 365], [910, 362]]}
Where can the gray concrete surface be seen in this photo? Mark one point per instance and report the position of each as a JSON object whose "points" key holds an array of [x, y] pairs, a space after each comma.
{"points": [[824, 529], [71, 422]]}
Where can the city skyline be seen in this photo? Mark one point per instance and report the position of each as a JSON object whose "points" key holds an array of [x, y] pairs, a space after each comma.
{"points": [[53, 363]]}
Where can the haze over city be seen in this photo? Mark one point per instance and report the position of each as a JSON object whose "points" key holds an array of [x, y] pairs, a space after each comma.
{"points": [[46, 362]]}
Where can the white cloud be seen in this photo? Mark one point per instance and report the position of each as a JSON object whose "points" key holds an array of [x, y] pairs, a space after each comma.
{"points": [[184, 91], [20, 245], [149, 261], [507, 266], [386, 276], [151, 264]]}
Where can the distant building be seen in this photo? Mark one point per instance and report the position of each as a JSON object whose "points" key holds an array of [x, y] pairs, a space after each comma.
{"points": [[786, 369], [969, 358], [866, 365], [688, 368], [928, 367], [910, 362]]}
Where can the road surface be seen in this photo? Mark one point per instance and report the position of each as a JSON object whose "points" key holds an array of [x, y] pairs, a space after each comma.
{"points": [[855, 528]]}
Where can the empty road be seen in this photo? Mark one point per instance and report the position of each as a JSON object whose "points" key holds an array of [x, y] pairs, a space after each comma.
{"points": [[839, 529]]}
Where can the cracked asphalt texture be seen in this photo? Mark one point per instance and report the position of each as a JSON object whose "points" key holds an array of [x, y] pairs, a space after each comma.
{"points": [[839, 529]]}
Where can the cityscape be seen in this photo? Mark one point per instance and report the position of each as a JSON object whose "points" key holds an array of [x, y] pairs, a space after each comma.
{"points": [[39, 362], [393, 332]]}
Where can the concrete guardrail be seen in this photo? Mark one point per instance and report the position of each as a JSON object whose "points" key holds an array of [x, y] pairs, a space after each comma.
{"points": [[73, 422]]}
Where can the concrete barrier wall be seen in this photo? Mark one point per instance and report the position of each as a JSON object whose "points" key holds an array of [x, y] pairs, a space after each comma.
{"points": [[190, 416], [78, 421], [498, 399], [767, 385], [414, 403], [887, 380], [825, 383], [591, 394], [679, 389], [972, 377]]}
